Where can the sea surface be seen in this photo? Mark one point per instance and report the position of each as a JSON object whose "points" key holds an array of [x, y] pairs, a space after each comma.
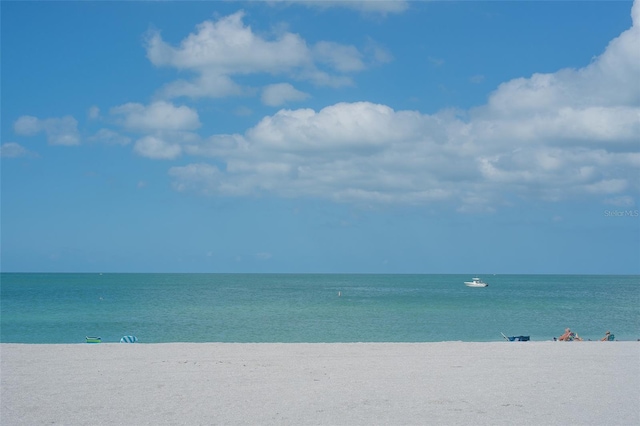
{"points": [[65, 308]]}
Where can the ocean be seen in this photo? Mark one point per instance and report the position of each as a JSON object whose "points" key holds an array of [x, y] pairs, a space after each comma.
{"points": [[65, 308]]}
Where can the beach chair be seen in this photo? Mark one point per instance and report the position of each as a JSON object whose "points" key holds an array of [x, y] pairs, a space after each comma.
{"points": [[90, 339], [611, 338], [516, 338]]}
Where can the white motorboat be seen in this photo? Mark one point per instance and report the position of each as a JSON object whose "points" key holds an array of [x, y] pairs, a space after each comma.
{"points": [[475, 282]]}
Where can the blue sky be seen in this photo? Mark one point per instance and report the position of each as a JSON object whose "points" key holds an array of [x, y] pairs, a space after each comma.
{"points": [[382, 137]]}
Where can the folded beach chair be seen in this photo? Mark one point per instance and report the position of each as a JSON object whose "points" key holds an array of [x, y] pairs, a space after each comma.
{"points": [[516, 338]]}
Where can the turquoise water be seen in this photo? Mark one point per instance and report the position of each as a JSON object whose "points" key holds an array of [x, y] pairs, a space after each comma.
{"points": [[64, 308]]}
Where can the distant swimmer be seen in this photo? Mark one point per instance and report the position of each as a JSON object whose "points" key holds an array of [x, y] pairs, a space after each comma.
{"points": [[339, 293]]}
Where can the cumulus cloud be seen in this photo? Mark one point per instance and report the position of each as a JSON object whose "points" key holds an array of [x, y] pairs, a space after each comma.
{"points": [[572, 133], [230, 47], [110, 137], [13, 150], [164, 127], [160, 115], [157, 148], [281, 93], [219, 50], [338, 56], [27, 125], [208, 84], [199, 177], [378, 53], [344, 126], [611, 80], [59, 131], [346, 152]]}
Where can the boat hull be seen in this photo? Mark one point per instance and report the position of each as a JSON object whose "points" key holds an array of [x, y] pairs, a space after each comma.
{"points": [[476, 284]]}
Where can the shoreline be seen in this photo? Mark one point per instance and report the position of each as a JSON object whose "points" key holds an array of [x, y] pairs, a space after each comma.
{"points": [[458, 383]]}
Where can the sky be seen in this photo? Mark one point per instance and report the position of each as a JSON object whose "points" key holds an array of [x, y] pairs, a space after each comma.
{"points": [[471, 137]]}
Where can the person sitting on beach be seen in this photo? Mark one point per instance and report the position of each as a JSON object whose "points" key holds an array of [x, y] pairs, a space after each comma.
{"points": [[607, 336], [566, 335], [569, 336]]}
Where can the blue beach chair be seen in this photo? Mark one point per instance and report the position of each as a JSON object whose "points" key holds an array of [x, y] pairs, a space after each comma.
{"points": [[608, 337], [517, 338]]}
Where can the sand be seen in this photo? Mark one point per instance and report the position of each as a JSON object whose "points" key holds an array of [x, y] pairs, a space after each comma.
{"points": [[449, 383]]}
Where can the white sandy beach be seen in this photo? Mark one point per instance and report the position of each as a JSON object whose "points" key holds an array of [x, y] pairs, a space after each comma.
{"points": [[449, 383]]}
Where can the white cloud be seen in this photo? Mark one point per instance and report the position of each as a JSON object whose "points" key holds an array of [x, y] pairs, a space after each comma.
{"points": [[156, 148], [208, 84], [378, 53], [341, 127], [219, 50], [230, 47], [59, 131], [196, 177], [572, 133], [165, 128], [158, 116], [93, 113], [281, 93], [340, 57], [363, 152], [110, 137], [13, 150], [27, 125], [610, 80], [62, 131]]}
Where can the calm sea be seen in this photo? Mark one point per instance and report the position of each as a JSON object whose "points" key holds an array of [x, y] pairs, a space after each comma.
{"points": [[64, 308]]}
